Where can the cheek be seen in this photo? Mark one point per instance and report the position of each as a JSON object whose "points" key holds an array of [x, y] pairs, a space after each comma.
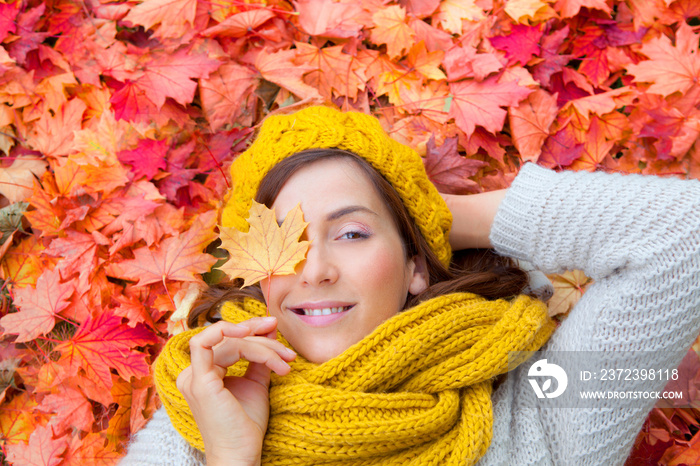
{"points": [[274, 289], [383, 273]]}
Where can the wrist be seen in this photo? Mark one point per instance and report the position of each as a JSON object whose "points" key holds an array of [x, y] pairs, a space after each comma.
{"points": [[473, 217], [228, 460], [227, 456]]}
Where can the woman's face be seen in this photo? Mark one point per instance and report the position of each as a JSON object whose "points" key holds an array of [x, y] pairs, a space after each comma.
{"points": [[355, 275]]}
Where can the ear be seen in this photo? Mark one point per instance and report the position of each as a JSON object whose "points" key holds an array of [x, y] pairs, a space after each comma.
{"points": [[419, 275]]}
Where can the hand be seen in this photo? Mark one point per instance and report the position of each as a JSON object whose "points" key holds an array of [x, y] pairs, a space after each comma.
{"points": [[232, 412], [472, 218]]}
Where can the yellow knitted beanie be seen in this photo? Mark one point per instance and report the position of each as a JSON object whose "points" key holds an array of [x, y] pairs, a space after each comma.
{"points": [[282, 136]]}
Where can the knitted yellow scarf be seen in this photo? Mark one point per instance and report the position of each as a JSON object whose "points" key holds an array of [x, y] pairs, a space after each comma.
{"points": [[417, 390]]}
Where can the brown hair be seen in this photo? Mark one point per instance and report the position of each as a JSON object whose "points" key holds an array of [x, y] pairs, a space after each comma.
{"points": [[479, 271]]}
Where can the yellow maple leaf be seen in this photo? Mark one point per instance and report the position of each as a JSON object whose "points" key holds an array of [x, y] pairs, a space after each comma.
{"points": [[520, 10], [452, 12], [568, 289], [267, 248]]}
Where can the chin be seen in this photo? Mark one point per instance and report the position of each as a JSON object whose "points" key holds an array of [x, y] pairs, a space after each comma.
{"points": [[320, 355]]}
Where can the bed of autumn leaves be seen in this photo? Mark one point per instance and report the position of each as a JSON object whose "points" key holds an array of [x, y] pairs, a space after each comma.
{"points": [[118, 120]]}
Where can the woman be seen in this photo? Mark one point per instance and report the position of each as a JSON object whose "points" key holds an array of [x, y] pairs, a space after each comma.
{"points": [[397, 333]]}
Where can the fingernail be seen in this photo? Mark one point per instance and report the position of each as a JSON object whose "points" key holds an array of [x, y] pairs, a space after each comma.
{"points": [[269, 319]]}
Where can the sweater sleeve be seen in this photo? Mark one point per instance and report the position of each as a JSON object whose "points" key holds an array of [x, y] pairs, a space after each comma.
{"points": [[638, 237], [159, 444]]}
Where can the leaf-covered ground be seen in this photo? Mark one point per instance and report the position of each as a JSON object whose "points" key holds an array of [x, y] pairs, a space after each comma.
{"points": [[119, 119]]}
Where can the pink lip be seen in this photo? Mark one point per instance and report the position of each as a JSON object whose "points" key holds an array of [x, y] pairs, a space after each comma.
{"points": [[321, 321]]}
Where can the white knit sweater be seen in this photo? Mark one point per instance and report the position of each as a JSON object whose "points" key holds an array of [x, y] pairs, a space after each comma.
{"points": [[639, 239]]}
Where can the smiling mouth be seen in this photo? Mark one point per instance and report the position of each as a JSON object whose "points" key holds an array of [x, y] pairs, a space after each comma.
{"points": [[326, 311]]}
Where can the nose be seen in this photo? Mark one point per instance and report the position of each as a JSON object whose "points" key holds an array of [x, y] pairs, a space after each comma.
{"points": [[319, 268]]}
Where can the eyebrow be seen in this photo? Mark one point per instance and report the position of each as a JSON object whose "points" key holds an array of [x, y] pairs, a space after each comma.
{"points": [[336, 214], [343, 211]]}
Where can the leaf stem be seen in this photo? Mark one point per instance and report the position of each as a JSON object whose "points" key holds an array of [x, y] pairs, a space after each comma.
{"points": [[267, 301]]}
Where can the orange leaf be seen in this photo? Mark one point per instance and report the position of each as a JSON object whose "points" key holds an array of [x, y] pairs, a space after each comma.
{"points": [[69, 407], [175, 259], [334, 72], [670, 69], [92, 449], [530, 122], [42, 449], [22, 264], [16, 181], [38, 307], [225, 95], [279, 68], [595, 147], [267, 248], [452, 12], [390, 28], [18, 418], [53, 135], [426, 63], [603, 103], [240, 24], [522, 9], [172, 15], [569, 8], [328, 18], [685, 456]]}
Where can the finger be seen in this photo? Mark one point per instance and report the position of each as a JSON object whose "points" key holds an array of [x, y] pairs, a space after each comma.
{"points": [[253, 349], [224, 352], [259, 373], [201, 345], [261, 325]]}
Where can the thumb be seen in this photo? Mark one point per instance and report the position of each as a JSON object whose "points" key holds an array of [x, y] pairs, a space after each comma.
{"points": [[258, 372]]}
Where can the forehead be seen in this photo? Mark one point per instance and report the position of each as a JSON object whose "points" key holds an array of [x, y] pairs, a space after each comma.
{"points": [[327, 184]]}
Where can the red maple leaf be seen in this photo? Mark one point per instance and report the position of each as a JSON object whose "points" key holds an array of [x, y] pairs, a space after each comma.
{"points": [[225, 95], [552, 61], [479, 103], [103, 343], [170, 75], [561, 149], [8, 13], [28, 39], [70, 409], [146, 158], [131, 103], [78, 253], [448, 170], [521, 44], [38, 307]]}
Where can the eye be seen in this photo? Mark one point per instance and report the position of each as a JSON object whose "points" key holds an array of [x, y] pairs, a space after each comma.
{"points": [[354, 235]]}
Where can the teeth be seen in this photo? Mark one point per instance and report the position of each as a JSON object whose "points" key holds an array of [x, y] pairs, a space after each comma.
{"points": [[323, 312]]}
